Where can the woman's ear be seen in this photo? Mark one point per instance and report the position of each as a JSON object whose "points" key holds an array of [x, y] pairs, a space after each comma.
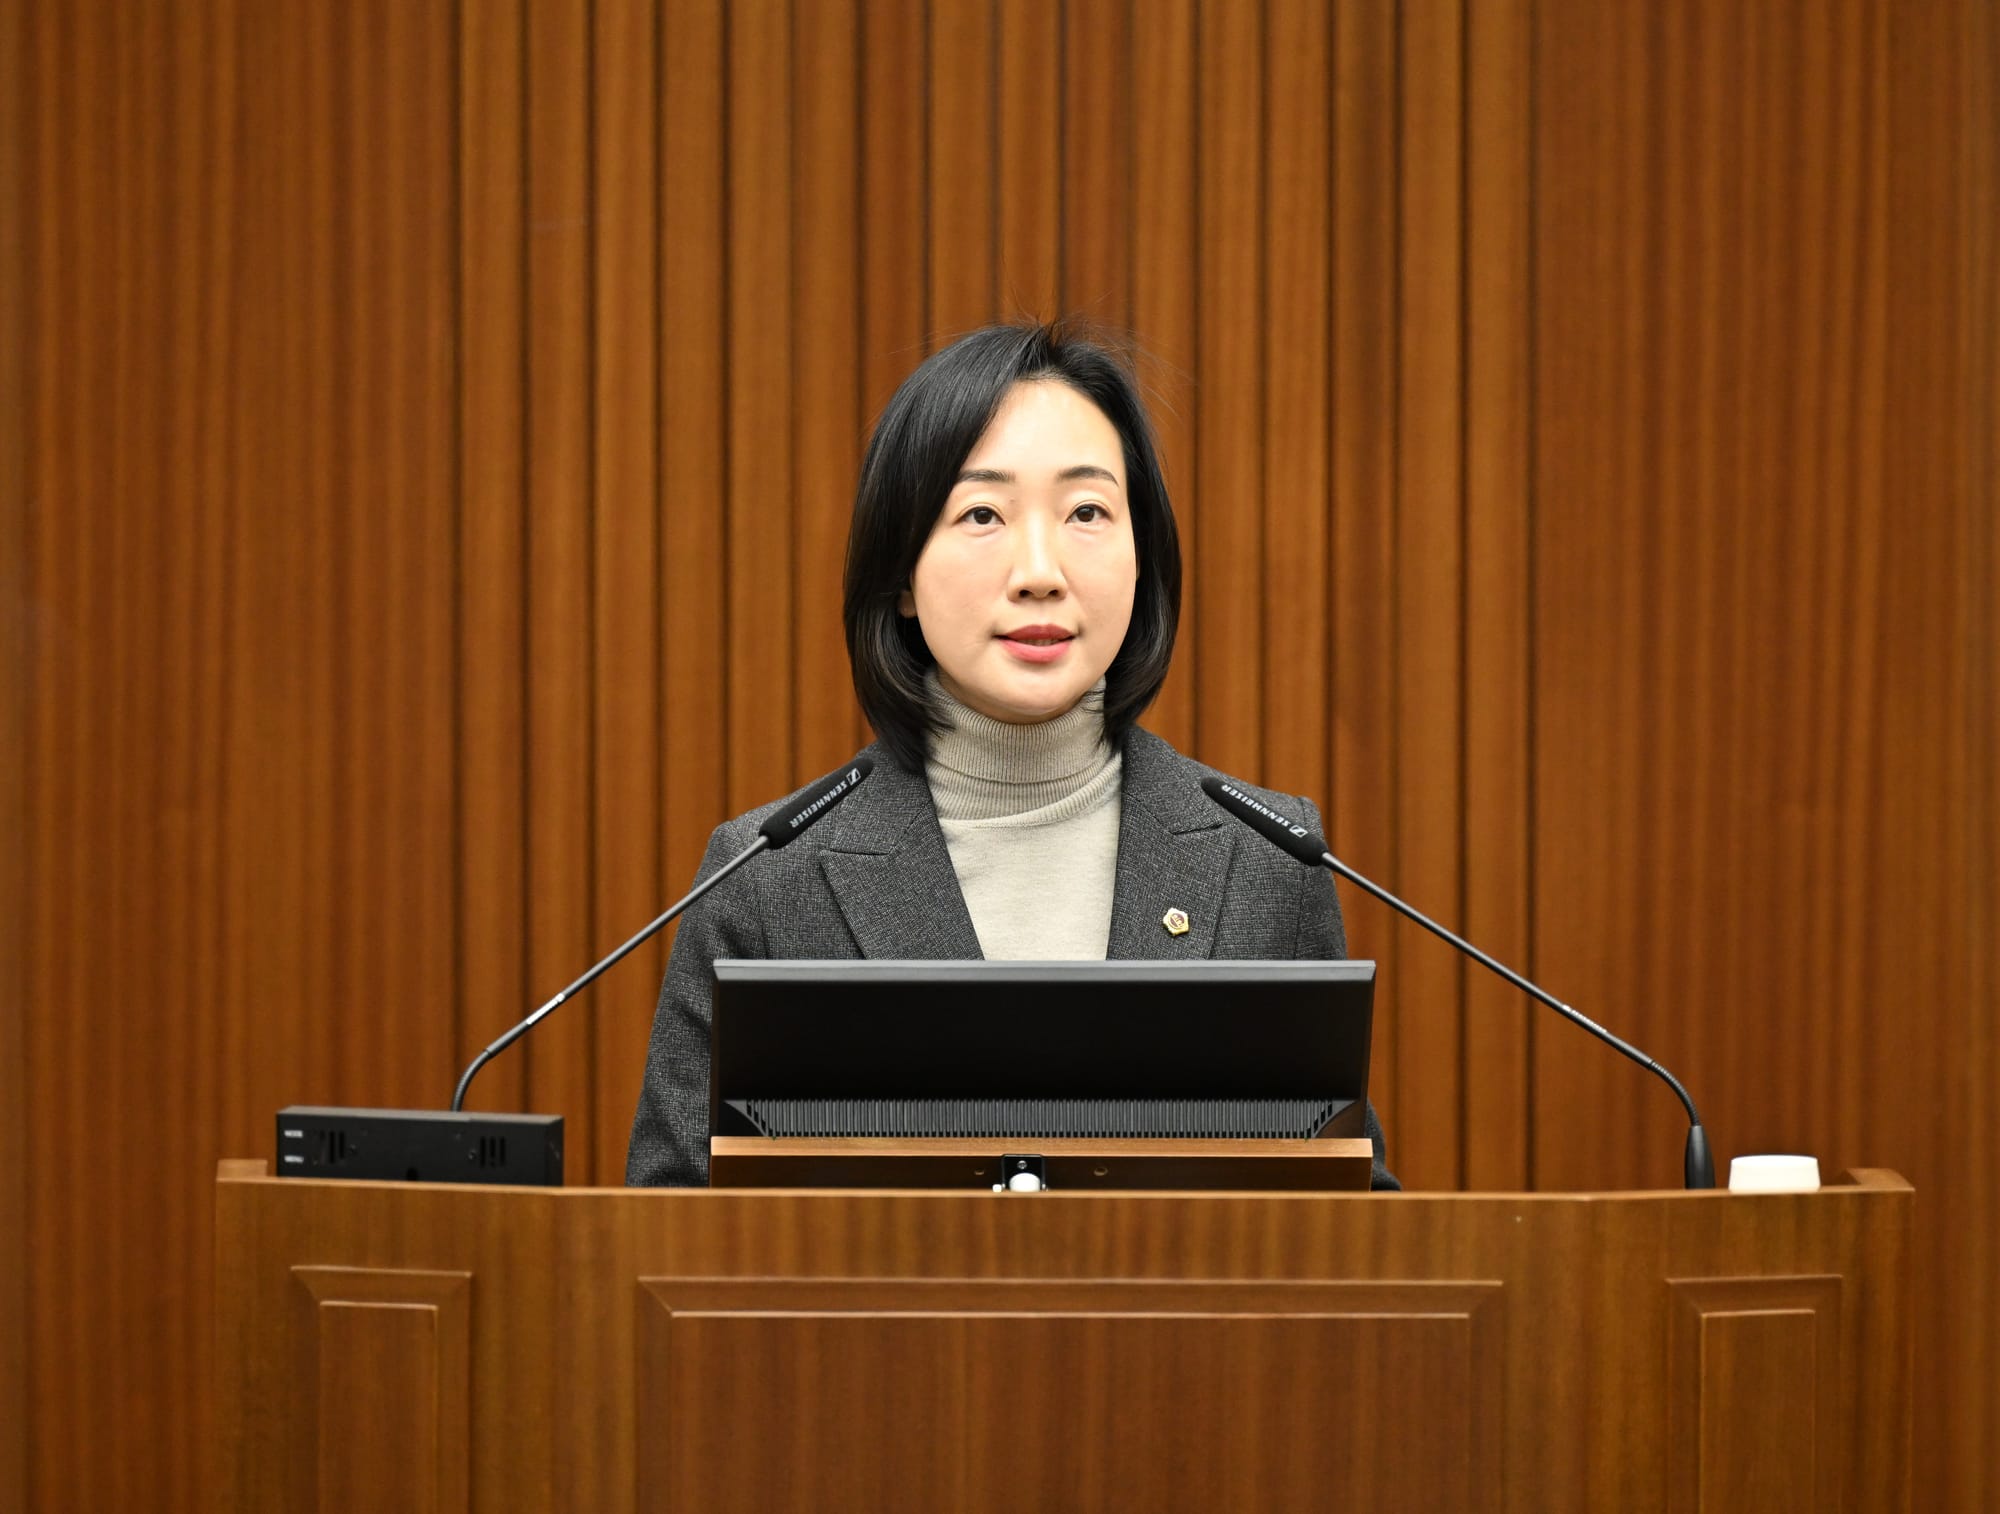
{"points": [[906, 605]]}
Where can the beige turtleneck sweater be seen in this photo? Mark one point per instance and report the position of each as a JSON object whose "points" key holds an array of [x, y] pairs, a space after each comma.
{"points": [[1030, 817]]}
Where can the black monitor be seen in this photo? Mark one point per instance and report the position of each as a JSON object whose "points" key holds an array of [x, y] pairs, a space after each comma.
{"points": [[1040, 1049]]}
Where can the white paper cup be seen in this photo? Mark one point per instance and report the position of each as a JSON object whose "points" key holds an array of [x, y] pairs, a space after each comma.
{"points": [[1774, 1174]]}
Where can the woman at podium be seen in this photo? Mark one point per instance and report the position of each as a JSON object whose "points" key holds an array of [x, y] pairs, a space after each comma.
{"points": [[1012, 593]]}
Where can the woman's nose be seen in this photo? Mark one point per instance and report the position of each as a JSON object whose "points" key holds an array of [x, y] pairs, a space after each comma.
{"points": [[1037, 569]]}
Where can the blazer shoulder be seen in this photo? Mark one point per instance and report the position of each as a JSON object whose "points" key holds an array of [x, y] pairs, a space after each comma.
{"points": [[1167, 779], [888, 797]]}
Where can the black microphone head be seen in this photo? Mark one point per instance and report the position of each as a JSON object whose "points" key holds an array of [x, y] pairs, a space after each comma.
{"points": [[790, 819], [1279, 830]]}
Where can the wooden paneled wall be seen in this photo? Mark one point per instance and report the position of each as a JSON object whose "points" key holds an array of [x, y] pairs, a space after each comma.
{"points": [[426, 433]]}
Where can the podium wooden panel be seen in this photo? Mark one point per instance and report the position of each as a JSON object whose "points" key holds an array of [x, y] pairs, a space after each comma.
{"points": [[390, 1347]]}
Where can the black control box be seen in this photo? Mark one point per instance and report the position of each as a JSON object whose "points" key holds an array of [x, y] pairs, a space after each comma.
{"points": [[420, 1146]]}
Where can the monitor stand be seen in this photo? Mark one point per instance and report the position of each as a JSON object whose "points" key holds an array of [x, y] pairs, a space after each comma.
{"points": [[1070, 1164]]}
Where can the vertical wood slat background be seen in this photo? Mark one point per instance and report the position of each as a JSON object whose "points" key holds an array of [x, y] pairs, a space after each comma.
{"points": [[427, 432], [14, 810]]}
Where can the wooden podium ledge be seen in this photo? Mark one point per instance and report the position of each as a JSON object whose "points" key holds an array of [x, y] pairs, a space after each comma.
{"points": [[1870, 1179]]}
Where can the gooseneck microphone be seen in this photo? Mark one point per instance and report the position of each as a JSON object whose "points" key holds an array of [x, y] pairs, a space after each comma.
{"points": [[1290, 836], [788, 822]]}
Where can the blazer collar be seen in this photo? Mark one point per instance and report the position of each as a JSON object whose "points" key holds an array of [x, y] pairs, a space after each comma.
{"points": [[1174, 853], [889, 870], [888, 867]]}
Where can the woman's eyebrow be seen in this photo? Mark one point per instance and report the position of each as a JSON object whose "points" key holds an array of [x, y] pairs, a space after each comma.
{"points": [[1086, 470], [1004, 476]]}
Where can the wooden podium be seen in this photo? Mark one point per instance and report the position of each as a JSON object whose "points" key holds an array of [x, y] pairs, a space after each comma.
{"points": [[390, 1347]]}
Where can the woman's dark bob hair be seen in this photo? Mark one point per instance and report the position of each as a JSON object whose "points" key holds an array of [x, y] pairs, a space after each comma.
{"points": [[922, 441]]}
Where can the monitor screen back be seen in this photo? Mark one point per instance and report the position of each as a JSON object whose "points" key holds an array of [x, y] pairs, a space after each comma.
{"points": [[883, 1031]]}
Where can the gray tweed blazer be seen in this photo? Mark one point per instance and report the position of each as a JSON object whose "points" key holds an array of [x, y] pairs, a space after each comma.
{"points": [[874, 880]]}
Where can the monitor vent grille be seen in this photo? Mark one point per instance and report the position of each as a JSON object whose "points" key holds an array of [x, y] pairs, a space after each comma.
{"points": [[1046, 1119]]}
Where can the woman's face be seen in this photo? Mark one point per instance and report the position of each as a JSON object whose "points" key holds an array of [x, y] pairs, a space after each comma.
{"points": [[1024, 589]]}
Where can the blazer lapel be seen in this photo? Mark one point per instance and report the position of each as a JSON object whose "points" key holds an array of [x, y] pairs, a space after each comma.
{"points": [[890, 872], [1174, 853]]}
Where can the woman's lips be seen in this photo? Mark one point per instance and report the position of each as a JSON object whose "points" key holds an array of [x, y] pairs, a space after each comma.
{"points": [[1039, 644]]}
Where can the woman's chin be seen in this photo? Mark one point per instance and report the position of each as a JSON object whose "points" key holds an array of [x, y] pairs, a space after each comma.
{"points": [[1017, 701], [1034, 715]]}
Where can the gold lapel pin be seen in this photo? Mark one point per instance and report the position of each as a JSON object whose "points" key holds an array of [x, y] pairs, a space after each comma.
{"points": [[1176, 922]]}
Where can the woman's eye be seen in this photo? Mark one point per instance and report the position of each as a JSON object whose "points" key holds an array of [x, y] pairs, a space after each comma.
{"points": [[1089, 513], [981, 515]]}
